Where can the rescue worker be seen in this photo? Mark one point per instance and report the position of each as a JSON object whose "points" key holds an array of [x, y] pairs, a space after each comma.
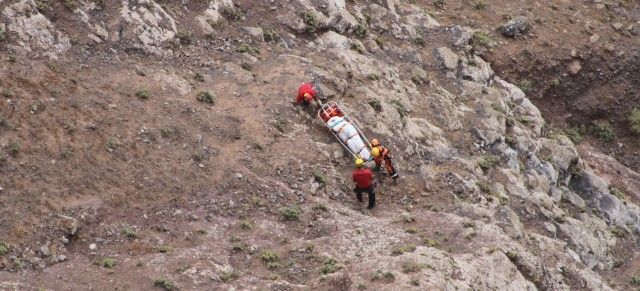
{"points": [[381, 154], [364, 183], [306, 94]]}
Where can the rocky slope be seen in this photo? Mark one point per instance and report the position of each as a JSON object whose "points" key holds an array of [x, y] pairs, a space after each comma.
{"points": [[119, 171]]}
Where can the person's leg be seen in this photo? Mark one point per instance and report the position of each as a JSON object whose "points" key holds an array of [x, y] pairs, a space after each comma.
{"points": [[390, 169], [358, 194], [372, 198]]}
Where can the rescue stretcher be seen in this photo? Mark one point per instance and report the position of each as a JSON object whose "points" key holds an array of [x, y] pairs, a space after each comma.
{"points": [[345, 129]]}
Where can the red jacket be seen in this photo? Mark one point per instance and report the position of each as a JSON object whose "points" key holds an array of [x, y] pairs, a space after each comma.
{"points": [[304, 89], [363, 178]]}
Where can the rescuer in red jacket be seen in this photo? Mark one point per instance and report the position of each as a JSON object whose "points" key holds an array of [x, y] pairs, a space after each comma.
{"points": [[306, 94], [364, 183]]}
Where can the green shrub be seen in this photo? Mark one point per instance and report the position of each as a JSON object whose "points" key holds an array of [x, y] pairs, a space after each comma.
{"points": [[513, 256], [14, 148], [164, 249], [3, 34], [245, 48], [603, 130], [401, 249], [360, 31], [431, 242], [411, 267], [319, 177], [164, 284], [205, 97], [480, 5], [574, 134], [525, 86], [269, 256], [269, 34], [228, 276], [290, 213], [142, 94], [487, 162], [129, 232], [70, 4], [419, 41], [4, 249], [107, 263], [482, 38], [356, 46], [199, 77], [634, 120], [309, 18], [635, 280], [246, 224], [330, 266]]}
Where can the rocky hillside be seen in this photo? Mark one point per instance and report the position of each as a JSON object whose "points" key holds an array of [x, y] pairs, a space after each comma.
{"points": [[155, 145]]}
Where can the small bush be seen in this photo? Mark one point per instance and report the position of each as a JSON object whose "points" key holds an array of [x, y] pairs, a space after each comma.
{"points": [[360, 31], [487, 162], [70, 4], [205, 97], [330, 266], [291, 213], [269, 256], [228, 276], [184, 37], [574, 134], [142, 94], [164, 249], [269, 35], [513, 256], [618, 232], [635, 280], [603, 130], [129, 232], [482, 38], [237, 247], [356, 46], [165, 284], [379, 41], [634, 120], [400, 108], [616, 192], [246, 66], [3, 34], [320, 207], [107, 263], [309, 18], [14, 148], [401, 249], [411, 267], [232, 14], [415, 282], [245, 48], [480, 5], [386, 275], [246, 225], [419, 41], [431, 242], [4, 249], [319, 177], [411, 230], [199, 77], [525, 86]]}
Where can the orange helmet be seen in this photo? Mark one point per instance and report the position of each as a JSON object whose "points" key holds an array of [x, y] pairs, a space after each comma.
{"points": [[375, 142]]}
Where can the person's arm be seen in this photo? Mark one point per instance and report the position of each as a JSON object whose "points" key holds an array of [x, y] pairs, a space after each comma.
{"points": [[353, 176]]}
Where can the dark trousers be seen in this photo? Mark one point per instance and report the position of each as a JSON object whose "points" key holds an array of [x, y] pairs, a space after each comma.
{"points": [[369, 191]]}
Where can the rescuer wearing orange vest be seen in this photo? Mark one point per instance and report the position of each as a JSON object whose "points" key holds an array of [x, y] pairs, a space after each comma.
{"points": [[381, 154], [364, 183]]}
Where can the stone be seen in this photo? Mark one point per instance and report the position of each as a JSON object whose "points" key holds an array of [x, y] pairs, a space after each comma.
{"points": [[517, 26], [447, 58], [93, 247], [574, 67], [594, 38], [148, 24], [69, 224]]}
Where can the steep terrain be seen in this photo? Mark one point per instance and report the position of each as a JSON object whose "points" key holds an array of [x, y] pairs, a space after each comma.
{"points": [[155, 144]]}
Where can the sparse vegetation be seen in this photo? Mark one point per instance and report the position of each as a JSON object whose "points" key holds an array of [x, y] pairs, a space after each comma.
{"points": [[290, 213], [400, 108], [488, 161], [418, 41], [401, 249], [199, 77], [379, 41], [319, 177], [206, 97], [479, 4], [525, 86], [329, 266], [415, 282], [360, 31], [513, 256], [4, 249], [269, 256], [357, 46], [383, 275], [309, 18], [232, 14], [70, 4], [269, 34], [574, 134], [616, 192], [481, 38], [164, 249], [129, 232], [411, 267], [142, 94], [618, 231], [107, 263], [320, 207], [245, 48], [603, 130], [228, 276], [635, 280], [411, 230], [184, 37], [164, 284], [430, 242], [634, 120], [246, 225], [3, 34], [14, 148]]}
